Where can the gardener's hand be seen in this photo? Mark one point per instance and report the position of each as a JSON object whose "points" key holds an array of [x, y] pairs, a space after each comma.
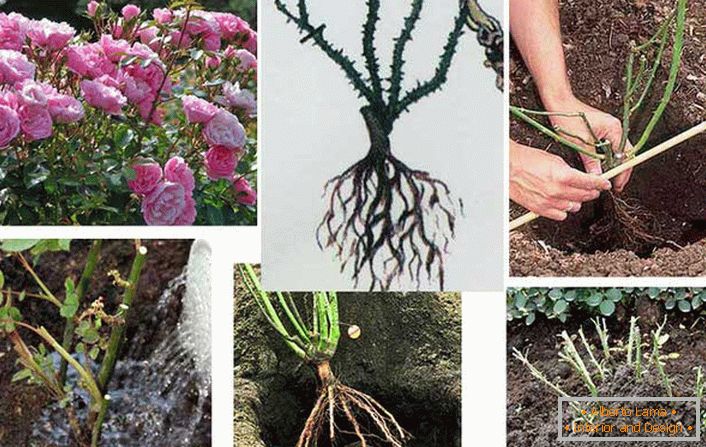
{"points": [[546, 184], [605, 127]]}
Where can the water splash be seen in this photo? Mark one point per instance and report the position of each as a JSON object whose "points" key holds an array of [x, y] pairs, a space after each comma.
{"points": [[163, 401]]}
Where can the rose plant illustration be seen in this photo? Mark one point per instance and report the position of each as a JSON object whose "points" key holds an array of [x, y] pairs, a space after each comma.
{"points": [[384, 219], [151, 119]]}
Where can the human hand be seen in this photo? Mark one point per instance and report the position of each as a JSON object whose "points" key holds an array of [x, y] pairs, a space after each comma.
{"points": [[545, 184], [605, 127]]}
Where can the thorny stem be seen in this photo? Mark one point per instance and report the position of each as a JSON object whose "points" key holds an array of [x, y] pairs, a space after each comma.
{"points": [[89, 268], [523, 114], [371, 60]]}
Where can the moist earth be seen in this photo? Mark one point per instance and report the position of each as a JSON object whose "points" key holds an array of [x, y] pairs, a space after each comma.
{"points": [[670, 190], [408, 358]]}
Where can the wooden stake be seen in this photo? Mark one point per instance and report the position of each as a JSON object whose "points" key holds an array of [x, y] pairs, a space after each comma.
{"points": [[643, 157]]}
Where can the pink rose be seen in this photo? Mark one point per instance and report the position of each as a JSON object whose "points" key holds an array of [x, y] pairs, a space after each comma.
{"points": [[148, 175], [101, 96], [15, 67], [198, 110], [247, 60], [9, 125], [65, 109], [114, 49], [165, 205], [13, 30], [150, 37], [35, 122], [230, 24], [92, 8], [89, 60], [131, 11], [240, 98], [224, 129], [31, 93], [117, 31], [250, 43], [244, 193], [188, 216], [138, 91], [213, 62], [162, 15], [51, 35], [176, 170], [220, 162]]}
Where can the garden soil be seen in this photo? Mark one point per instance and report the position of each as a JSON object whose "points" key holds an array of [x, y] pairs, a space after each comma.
{"points": [[671, 188], [532, 407], [22, 404], [408, 358]]}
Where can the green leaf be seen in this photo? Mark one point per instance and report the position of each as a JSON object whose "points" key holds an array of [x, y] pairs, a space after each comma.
{"points": [[607, 308], [70, 304], [15, 245], [560, 306], [48, 245], [595, 299], [555, 294], [614, 295], [530, 319], [93, 353], [2, 279], [520, 301], [21, 375], [684, 306]]}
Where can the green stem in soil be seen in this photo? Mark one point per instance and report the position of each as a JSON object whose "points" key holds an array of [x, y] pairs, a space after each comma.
{"points": [[523, 114], [70, 327], [47, 293], [677, 51], [656, 344], [117, 334]]}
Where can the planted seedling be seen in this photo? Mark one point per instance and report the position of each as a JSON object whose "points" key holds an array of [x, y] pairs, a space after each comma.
{"points": [[384, 219], [641, 68], [90, 337], [315, 344]]}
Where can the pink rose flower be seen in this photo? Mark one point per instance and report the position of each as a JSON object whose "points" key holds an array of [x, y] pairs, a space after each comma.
{"points": [[51, 35], [13, 30], [177, 171], [230, 24], [101, 96], [15, 67], [240, 98], [150, 37], [117, 31], [9, 125], [114, 49], [31, 93], [250, 43], [89, 60], [213, 62], [162, 15], [165, 205], [65, 109], [188, 216], [35, 122], [247, 60], [148, 175], [244, 193], [138, 91], [131, 11], [92, 8], [220, 162], [198, 110], [224, 129]]}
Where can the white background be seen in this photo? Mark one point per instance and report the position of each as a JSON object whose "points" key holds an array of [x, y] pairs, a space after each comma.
{"points": [[312, 130]]}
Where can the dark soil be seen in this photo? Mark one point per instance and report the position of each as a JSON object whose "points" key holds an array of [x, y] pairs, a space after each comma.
{"points": [[669, 189], [21, 404], [408, 358], [532, 407]]}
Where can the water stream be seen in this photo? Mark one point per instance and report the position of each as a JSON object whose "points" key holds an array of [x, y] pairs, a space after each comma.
{"points": [[165, 399]]}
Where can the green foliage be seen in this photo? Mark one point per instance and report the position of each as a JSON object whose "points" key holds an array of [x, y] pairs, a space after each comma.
{"points": [[560, 302]]}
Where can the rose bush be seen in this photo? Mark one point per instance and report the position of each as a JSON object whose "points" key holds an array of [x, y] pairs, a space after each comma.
{"points": [[151, 120]]}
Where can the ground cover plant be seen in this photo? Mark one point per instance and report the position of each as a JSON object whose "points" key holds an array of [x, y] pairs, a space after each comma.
{"points": [[316, 344], [385, 220], [647, 351], [657, 228], [402, 349], [150, 118]]}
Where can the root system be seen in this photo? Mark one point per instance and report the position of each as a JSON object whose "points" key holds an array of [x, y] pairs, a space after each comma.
{"points": [[357, 410]]}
